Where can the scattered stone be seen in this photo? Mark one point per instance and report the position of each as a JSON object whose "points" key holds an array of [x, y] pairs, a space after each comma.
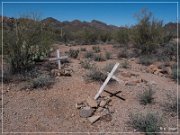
{"points": [[93, 119], [92, 103], [126, 74], [152, 83], [107, 117], [153, 69], [103, 103], [61, 72], [86, 112], [80, 105], [100, 109], [166, 70]]}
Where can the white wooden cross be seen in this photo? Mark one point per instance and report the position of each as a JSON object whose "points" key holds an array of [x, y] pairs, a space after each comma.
{"points": [[110, 75], [58, 59]]}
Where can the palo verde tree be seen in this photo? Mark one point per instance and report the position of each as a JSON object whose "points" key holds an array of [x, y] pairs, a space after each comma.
{"points": [[149, 33]]}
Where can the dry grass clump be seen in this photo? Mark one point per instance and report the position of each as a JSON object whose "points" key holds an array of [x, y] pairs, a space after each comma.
{"points": [[149, 123]]}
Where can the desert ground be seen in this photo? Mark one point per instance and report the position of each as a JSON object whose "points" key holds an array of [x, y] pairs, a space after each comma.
{"points": [[53, 109]]}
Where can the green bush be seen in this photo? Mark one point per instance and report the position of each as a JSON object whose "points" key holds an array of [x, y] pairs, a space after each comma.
{"points": [[26, 42], [108, 55], [147, 59], [87, 64], [96, 49], [42, 81], [122, 37], [73, 53], [149, 123], [149, 33], [125, 64], [122, 54], [172, 104], [175, 73], [89, 54], [99, 57], [83, 49], [96, 74], [108, 67], [147, 96]]}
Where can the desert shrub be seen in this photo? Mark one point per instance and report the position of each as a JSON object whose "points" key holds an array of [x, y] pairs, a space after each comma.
{"points": [[73, 53], [148, 123], [87, 64], [96, 49], [99, 57], [96, 74], [89, 54], [122, 54], [147, 96], [42, 81], [172, 104], [176, 73], [7, 75], [108, 55], [27, 41], [122, 37], [147, 59], [83, 49], [149, 33], [125, 64], [108, 67]]}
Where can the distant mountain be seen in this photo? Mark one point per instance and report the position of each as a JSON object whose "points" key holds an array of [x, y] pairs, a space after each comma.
{"points": [[79, 24], [76, 25], [172, 27]]}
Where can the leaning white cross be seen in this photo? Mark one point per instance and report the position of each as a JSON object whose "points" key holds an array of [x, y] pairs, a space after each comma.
{"points": [[110, 75], [58, 59]]}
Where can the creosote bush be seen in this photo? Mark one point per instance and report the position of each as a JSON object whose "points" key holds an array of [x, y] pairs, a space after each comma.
{"points": [[83, 49], [108, 67], [148, 123], [147, 96], [125, 64], [172, 104], [96, 49], [175, 73], [147, 59], [99, 57], [96, 74], [122, 54], [87, 64], [42, 81], [73, 53], [89, 54], [108, 55]]}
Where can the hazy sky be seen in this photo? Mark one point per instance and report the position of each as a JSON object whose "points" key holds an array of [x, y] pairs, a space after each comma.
{"points": [[111, 13]]}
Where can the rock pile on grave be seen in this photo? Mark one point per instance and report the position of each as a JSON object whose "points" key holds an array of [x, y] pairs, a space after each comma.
{"points": [[94, 110]]}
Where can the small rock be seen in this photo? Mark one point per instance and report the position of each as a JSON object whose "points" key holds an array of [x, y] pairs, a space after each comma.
{"points": [[100, 109], [91, 102], [152, 69], [152, 83], [79, 105], [93, 119], [131, 83], [126, 74], [86, 112], [103, 103]]}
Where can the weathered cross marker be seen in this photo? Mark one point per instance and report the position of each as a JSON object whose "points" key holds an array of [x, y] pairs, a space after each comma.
{"points": [[58, 59], [110, 75]]}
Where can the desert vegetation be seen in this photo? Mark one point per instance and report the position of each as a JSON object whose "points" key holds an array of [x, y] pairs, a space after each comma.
{"points": [[148, 70]]}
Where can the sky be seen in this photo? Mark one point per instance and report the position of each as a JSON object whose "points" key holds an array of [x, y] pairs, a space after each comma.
{"points": [[119, 14]]}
